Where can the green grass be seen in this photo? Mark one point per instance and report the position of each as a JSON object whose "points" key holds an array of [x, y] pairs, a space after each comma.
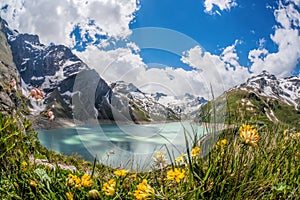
{"points": [[234, 171], [254, 109]]}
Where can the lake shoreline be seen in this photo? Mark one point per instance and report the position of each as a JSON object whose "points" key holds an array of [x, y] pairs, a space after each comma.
{"points": [[44, 123]]}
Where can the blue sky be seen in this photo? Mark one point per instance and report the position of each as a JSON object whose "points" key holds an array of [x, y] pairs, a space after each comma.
{"points": [[248, 22], [170, 46]]}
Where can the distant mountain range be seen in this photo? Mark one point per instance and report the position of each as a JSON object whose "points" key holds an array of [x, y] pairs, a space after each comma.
{"points": [[73, 90]]}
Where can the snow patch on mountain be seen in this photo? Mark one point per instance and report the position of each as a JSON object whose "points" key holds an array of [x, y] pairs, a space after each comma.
{"points": [[268, 85], [184, 105], [127, 98]]}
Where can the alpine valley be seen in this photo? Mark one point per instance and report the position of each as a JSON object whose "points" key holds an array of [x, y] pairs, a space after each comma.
{"points": [[74, 90]]}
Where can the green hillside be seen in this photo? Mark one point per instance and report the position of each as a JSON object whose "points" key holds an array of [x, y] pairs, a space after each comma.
{"points": [[240, 105]]}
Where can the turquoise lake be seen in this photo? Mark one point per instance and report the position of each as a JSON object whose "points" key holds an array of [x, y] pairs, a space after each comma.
{"points": [[129, 146]]}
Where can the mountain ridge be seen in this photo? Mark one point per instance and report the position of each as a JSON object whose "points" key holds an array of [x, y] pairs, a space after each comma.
{"points": [[263, 99], [73, 90]]}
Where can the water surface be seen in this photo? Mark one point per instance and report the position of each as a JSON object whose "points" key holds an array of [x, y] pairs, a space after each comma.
{"points": [[131, 146]]}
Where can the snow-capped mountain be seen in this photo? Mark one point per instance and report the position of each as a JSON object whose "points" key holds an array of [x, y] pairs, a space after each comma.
{"points": [[185, 105], [60, 73], [132, 104], [73, 90], [282, 89], [263, 99]]}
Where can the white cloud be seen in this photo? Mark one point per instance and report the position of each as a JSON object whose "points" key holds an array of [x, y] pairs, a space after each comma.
{"points": [[123, 64], [215, 68], [230, 57], [113, 17], [221, 4], [53, 20], [286, 37]]}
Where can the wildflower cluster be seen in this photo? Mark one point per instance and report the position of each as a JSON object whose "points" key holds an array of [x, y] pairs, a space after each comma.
{"points": [[176, 174], [249, 135], [291, 134], [143, 191], [109, 187], [121, 172], [33, 183], [37, 94], [24, 164], [50, 115], [86, 181], [133, 177], [195, 151], [69, 196], [76, 182], [181, 158], [221, 143]]}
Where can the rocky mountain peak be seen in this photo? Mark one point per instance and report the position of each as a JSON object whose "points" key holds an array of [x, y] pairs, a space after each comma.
{"points": [[268, 85], [122, 86]]}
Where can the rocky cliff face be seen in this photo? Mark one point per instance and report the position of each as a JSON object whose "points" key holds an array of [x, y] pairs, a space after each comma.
{"points": [[8, 72]]}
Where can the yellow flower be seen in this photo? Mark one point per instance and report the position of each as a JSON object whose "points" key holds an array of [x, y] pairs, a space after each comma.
{"points": [[286, 138], [109, 187], [181, 158], [295, 136], [86, 181], [176, 174], [24, 164], [74, 180], [33, 183], [134, 177], [94, 195], [285, 132], [222, 142], [195, 151], [121, 172], [69, 196], [249, 135], [144, 191]]}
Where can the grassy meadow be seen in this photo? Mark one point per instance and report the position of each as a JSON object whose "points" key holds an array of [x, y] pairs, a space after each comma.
{"points": [[248, 162]]}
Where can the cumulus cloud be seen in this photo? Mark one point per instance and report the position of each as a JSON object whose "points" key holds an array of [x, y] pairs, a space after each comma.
{"points": [[287, 37], [124, 64], [225, 70], [215, 68], [111, 18], [230, 57], [221, 4]]}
